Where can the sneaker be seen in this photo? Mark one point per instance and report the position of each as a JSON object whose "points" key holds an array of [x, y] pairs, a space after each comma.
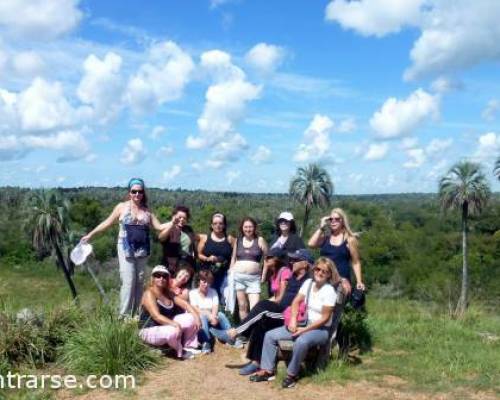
{"points": [[222, 335], [238, 344], [192, 350], [206, 348], [186, 355], [249, 369], [264, 376], [288, 382]]}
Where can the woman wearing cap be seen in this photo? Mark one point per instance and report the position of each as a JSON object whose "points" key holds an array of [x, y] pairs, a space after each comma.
{"points": [[268, 314], [336, 241], [321, 298], [178, 239], [167, 319], [248, 252], [135, 220], [215, 250]]}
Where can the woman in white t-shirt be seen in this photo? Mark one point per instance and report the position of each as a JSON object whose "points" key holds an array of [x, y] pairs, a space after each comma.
{"points": [[206, 301], [320, 298]]}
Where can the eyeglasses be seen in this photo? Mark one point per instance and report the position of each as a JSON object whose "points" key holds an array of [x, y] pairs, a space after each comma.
{"points": [[322, 270], [335, 219], [283, 221], [137, 191], [217, 223], [160, 276]]}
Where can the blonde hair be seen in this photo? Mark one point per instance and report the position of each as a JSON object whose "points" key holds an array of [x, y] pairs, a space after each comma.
{"points": [[334, 274], [345, 222]]}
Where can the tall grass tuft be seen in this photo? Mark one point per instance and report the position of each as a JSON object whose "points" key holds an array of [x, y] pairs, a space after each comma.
{"points": [[107, 345]]}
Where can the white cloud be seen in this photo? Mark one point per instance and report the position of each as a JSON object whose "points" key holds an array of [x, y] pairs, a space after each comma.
{"points": [[134, 152], [27, 64], [416, 158], [261, 155], [225, 103], [161, 79], [376, 151], [317, 140], [438, 170], [374, 17], [39, 19], [101, 85], [265, 58], [401, 117], [444, 85], [171, 173], [409, 143], [347, 125], [157, 132], [164, 151], [437, 146], [491, 110], [488, 147]]}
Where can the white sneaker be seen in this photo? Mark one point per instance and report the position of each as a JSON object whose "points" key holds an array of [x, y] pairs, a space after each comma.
{"points": [[192, 350]]}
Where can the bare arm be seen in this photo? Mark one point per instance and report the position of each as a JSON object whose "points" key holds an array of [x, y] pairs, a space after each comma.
{"points": [[318, 236], [201, 244], [356, 262], [292, 326], [281, 291], [233, 256], [115, 214], [263, 246], [155, 223], [326, 313], [189, 308], [149, 303]]}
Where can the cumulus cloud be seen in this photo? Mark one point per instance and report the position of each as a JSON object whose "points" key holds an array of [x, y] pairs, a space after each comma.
{"points": [[27, 64], [401, 117], [134, 152], [39, 19], [157, 132], [488, 147], [491, 110], [409, 143], [161, 79], [225, 103], [317, 138], [101, 86], [265, 58], [416, 158], [347, 125], [172, 172], [164, 151], [444, 85], [453, 34], [437, 146], [376, 151], [261, 155]]}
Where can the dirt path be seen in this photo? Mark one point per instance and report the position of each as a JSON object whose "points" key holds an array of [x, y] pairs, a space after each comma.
{"points": [[208, 377]]}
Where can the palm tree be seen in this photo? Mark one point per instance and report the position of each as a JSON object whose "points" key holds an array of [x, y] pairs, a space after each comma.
{"points": [[496, 170], [48, 221], [464, 188], [312, 187]]}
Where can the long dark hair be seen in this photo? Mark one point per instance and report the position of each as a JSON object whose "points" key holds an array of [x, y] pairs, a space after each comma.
{"points": [[293, 227], [254, 223]]}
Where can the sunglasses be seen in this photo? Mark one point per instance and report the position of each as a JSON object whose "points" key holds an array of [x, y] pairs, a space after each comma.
{"points": [[137, 191], [160, 276], [322, 270], [335, 219]]}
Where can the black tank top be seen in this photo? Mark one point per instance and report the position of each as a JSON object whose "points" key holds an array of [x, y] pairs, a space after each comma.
{"points": [[340, 255], [222, 250], [145, 320], [252, 253]]}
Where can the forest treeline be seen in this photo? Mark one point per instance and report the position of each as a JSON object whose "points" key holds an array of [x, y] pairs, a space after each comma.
{"points": [[409, 248]]}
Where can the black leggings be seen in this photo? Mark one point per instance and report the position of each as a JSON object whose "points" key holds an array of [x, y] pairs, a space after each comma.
{"points": [[254, 351], [263, 308]]}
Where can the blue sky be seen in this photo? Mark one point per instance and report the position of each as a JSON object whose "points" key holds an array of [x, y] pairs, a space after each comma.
{"points": [[235, 95]]}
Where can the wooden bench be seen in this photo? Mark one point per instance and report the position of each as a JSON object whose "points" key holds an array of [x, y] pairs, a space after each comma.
{"points": [[318, 356]]}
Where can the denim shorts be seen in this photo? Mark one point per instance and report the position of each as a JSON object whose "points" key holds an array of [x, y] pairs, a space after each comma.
{"points": [[250, 283]]}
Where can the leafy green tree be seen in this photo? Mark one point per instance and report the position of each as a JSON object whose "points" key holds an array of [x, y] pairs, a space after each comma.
{"points": [[496, 170], [464, 188], [312, 187], [48, 221]]}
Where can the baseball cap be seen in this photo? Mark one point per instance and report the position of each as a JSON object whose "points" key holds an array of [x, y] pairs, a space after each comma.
{"points": [[287, 216], [276, 252], [301, 255], [161, 269]]}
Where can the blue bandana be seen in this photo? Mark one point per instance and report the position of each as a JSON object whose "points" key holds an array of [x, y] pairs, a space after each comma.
{"points": [[135, 181]]}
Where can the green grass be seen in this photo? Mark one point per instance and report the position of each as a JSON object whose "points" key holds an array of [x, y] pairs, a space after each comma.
{"points": [[426, 349]]}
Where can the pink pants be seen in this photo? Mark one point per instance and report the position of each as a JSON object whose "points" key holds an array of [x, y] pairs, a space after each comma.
{"points": [[168, 334]]}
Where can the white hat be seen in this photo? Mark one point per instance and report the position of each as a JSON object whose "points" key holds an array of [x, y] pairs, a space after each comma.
{"points": [[80, 253], [161, 269], [288, 216]]}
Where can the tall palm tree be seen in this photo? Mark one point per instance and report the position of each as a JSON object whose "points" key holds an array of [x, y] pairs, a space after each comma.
{"points": [[464, 188], [48, 221], [496, 170], [312, 187]]}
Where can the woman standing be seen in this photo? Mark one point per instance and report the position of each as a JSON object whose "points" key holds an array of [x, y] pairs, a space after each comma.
{"points": [[167, 319], [135, 220], [339, 245], [215, 250], [248, 252], [179, 239]]}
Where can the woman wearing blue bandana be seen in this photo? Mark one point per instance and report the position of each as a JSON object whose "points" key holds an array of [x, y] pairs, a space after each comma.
{"points": [[135, 220]]}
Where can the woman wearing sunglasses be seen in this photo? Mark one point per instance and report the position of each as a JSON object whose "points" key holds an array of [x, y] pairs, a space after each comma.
{"points": [[167, 319], [336, 241], [135, 220], [320, 297]]}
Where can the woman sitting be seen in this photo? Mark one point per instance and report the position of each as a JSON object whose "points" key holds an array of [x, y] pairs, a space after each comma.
{"points": [[320, 297], [278, 273], [179, 285], [206, 301], [167, 319]]}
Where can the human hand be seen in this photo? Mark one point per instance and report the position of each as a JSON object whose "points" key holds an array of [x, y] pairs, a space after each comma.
{"points": [[298, 331], [346, 285], [360, 286], [292, 326], [212, 259], [324, 221], [197, 322], [214, 321], [86, 238]]}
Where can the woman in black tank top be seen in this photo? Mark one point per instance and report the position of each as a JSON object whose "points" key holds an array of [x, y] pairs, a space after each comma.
{"points": [[214, 251]]}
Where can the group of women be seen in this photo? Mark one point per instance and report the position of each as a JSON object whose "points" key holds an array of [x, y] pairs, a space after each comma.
{"points": [[172, 314]]}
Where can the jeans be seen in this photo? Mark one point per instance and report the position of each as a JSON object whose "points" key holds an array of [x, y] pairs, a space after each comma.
{"points": [[301, 346], [132, 279], [204, 333]]}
